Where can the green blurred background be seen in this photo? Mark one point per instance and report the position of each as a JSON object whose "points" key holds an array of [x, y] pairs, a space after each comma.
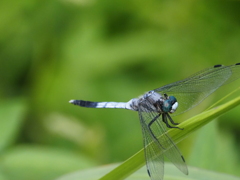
{"points": [[54, 51]]}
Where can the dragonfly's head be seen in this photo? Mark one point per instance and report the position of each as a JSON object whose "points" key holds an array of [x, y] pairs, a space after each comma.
{"points": [[170, 104]]}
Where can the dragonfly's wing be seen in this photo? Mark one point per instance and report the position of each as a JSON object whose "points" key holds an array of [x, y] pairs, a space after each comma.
{"points": [[173, 153], [153, 152], [191, 91], [157, 143]]}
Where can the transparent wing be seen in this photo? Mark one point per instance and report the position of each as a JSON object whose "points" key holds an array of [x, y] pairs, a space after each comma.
{"points": [[153, 153], [191, 91], [157, 143]]}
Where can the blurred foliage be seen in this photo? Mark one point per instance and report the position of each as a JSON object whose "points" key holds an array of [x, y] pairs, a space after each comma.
{"points": [[54, 51], [171, 172]]}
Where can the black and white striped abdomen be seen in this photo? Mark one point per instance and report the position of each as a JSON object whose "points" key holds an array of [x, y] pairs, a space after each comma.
{"points": [[90, 104]]}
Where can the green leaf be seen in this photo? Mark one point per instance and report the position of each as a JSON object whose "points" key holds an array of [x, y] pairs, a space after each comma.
{"points": [[37, 162], [171, 173]]}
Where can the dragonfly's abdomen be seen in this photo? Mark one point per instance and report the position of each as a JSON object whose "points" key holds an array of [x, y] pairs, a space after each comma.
{"points": [[82, 103], [90, 104]]}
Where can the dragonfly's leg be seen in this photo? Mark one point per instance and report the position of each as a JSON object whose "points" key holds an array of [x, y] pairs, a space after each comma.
{"points": [[171, 120], [149, 127], [166, 122], [151, 122]]}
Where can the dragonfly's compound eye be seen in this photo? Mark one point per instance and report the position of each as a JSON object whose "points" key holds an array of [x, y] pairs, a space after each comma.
{"points": [[170, 105]]}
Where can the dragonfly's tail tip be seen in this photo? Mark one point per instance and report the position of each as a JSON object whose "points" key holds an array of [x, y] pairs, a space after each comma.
{"points": [[72, 101]]}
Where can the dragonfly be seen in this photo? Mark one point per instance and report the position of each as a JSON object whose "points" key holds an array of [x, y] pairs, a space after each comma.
{"points": [[156, 108]]}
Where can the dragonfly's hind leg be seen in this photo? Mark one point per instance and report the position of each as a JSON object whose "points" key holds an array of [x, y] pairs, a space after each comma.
{"points": [[149, 127], [151, 122]]}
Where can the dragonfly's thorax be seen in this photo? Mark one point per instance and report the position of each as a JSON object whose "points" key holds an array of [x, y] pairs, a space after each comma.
{"points": [[154, 101], [160, 103]]}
